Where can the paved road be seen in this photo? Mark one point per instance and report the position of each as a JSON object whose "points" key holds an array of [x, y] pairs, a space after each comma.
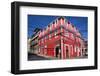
{"points": [[36, 57]]}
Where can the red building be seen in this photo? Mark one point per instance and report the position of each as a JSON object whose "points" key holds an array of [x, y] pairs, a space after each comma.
{"points": [[60, 39]]}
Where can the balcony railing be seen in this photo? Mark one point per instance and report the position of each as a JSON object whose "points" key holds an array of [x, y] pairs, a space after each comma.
{"points": [[34, 42]]}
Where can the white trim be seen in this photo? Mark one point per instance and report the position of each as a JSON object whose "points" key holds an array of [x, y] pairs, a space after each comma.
{"points": [[66, 33], [64, 21], [61, 21], [55, 24], [49, 36], [55, 33], [61, 47], [61, 29], [42, 40], [45, 51], [71, 46], [50, 27], [77, 50], [72, 36], [81, 49]]}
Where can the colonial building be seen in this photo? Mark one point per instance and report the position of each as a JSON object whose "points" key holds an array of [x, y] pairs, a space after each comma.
{"points": [[34, 41], [28, 45], [60, 39]]}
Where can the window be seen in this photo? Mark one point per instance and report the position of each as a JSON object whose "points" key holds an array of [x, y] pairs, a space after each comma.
{"points": [[72, 36], [39, 41], [39, 50], [42, 40], [55, 33], [49, 36], [61, 21], [79, 40], [66, 33], [45, 49], [55, 24], [45, 38], [75, 48], [71, 47], [50, 28], [61, 29], [76, 39]]}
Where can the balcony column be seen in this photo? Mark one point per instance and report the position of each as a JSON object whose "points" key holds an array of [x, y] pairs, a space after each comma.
{"points": [[62, 49]]}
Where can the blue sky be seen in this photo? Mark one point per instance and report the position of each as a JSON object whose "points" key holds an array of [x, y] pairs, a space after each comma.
{"points": [[41, 21]]}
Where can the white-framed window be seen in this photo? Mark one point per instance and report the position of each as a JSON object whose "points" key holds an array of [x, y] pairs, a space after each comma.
{"points": [[71, 49], [67, 26], [61, 21], [61, 29], [55, 24], [45, 46], [55, 33], [64, 21], [49, 36], [42, 40], [72, 36], [45, 49], [66, 33]]}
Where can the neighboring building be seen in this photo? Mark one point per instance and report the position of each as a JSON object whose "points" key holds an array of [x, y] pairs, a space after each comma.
{"points": [[60, 39], [28, 45], [34, 41], [85, 51]]}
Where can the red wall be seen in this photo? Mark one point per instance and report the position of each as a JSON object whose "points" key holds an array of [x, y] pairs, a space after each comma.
{"points": [[52, 42]]}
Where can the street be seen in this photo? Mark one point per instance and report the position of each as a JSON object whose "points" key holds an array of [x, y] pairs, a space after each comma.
{"points": [[32, 57], [36, 57]]}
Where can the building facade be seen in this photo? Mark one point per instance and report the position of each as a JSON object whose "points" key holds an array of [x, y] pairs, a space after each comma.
{"points": [[34, 41], [60, 39]]}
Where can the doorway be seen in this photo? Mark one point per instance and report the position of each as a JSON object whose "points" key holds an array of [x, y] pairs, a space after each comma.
{"points": [[58, 52], [67, 52]]}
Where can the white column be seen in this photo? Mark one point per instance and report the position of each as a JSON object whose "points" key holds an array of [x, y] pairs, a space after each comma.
{"points": [[62, 47], [81, 50], [78, 52], [61, 21], [55, 24], [69, 51]]}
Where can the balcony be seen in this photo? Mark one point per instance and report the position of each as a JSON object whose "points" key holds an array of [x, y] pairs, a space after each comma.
{"points": [[33, 43]]}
